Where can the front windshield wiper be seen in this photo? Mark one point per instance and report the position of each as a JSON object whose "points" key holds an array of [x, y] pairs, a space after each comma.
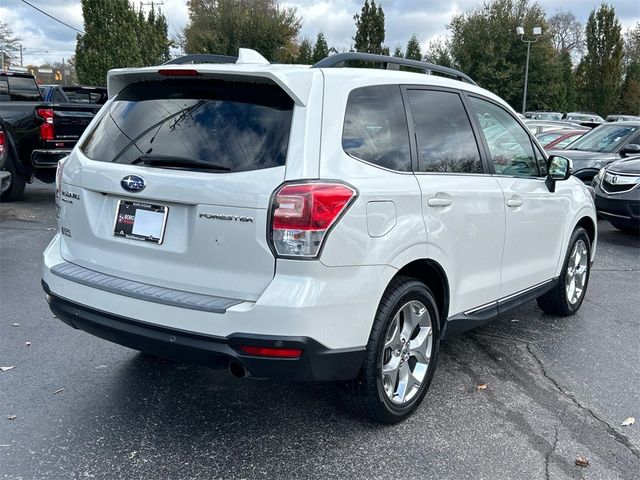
{"points": [[177, 162]]}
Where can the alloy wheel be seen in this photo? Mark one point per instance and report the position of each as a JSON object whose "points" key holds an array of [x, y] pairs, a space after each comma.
{"points": [[407, 352], [577, 270]]}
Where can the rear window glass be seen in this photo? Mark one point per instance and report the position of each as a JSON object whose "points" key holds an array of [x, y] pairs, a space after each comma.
{"points": [[200, 123], [85, 96], [23, 89]]}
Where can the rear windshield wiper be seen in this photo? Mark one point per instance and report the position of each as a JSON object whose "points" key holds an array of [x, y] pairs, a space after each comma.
{"points": [[177, 162]]}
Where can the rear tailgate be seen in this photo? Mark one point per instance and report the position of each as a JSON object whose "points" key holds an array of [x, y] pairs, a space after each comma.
{"points": [[71, 119], [172, 184]]}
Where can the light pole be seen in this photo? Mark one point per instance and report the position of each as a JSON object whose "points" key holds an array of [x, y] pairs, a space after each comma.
{"points": [[537, 31]]}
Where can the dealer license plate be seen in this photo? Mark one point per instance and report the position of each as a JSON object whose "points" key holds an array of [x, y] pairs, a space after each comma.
{"points": [[140, 221]]}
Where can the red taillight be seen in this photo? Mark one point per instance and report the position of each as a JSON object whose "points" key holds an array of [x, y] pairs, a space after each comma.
{"points": [[2, 143], [182, 72], [47, 131], [271, 352], [303, 213]]}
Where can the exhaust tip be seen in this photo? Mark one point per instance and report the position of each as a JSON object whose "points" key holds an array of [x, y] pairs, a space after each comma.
{"points": [[237, 370]]}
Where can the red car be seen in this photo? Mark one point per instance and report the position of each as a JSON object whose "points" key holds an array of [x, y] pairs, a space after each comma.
{"points": [[559, 139]]}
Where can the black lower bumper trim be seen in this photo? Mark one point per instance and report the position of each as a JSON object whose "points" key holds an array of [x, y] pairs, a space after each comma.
{"points": [[47, 158], [317, 362]]}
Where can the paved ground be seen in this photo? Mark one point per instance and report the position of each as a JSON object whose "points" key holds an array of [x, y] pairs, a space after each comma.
{"points": [[556, 389]]}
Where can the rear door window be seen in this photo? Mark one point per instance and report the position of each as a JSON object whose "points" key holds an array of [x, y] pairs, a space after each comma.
{"points": [[444, 136], [375, 127], [203, 124]]}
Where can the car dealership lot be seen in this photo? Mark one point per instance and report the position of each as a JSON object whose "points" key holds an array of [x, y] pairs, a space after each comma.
{"points": [[555, 389]]}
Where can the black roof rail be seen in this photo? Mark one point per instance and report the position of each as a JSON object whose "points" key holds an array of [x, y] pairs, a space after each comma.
{"points": [[390, 63], [201, 58]]}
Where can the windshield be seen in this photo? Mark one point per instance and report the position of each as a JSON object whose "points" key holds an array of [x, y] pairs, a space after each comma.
{"points": [[233, 125], [547, 116], [606, 138], [585, 118], [549, 137]]}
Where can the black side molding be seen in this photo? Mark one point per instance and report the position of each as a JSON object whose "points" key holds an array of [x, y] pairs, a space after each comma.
{"points": [[476, 317]]}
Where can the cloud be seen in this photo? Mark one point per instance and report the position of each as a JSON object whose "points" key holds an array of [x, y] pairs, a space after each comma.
{"points": [[46, 40]]}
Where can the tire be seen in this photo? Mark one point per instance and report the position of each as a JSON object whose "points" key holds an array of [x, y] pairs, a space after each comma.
{"points": [[566, 297], [407, 309], [17, 183]]}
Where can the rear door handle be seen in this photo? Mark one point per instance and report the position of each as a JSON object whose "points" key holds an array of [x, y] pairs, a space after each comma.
{"points": [[514, 202], [439, 202]]}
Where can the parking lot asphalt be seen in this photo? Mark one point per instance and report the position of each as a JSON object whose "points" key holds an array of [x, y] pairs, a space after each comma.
{"points": [[556, 389]]}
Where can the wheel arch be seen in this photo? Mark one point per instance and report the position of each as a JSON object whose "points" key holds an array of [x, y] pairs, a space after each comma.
{"points": [[588, 224], [586, 219], [432, 274]]}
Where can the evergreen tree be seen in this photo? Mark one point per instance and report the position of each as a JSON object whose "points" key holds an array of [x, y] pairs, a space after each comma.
{"points": [[224, 26], [630, 92], [439, 52], [161, 37], [398, 52], [152, 32], [413, 49], [117, 36], [485, 47], [602, 63], [321, 49], [110, 40], [567, 87], [370, 29], [305, 53]]}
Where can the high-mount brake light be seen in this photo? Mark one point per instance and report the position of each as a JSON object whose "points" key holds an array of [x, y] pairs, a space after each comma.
{"points": [[303, 213], [181, 72], [47, 129]]}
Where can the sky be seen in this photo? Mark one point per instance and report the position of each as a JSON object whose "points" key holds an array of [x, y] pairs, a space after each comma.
{"points": [[45, 40]]}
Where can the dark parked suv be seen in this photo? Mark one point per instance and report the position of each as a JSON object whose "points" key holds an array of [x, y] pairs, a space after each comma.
{"points": [[617, 188], [604, 144]]}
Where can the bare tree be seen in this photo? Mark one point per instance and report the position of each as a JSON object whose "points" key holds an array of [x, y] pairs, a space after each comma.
{"points": [[9, 46], [632, 44], [567, 32]]}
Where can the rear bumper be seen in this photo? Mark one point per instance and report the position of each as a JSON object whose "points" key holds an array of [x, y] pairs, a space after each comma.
{"points": [[328, 311], [317, 363], [47, 158]]}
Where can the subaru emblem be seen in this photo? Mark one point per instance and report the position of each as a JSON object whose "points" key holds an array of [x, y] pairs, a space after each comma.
{"points": [[133, 183]]}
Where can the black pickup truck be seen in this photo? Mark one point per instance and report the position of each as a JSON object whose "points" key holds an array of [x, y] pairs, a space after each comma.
{"points": [[34, 134]]}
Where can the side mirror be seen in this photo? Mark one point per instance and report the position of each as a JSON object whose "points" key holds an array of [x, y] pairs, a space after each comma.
{"points": [[630, 149], [559, 168]]}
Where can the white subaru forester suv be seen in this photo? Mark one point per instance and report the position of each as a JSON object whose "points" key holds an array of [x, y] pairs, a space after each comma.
{"points": [[311, 223]]}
